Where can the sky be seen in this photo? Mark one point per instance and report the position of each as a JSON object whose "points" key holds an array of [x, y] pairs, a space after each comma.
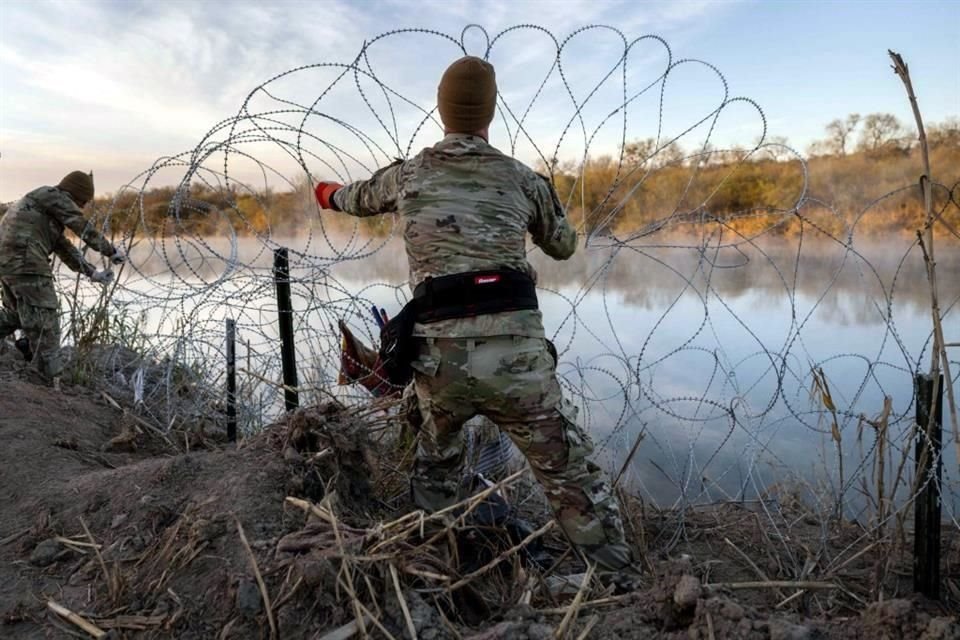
{"points": [[114, 86]]}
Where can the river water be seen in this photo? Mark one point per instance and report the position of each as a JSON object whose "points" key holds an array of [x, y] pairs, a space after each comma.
{"points": [[706, 350]]}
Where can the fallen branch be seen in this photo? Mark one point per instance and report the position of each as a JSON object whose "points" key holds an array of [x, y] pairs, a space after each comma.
{"points": [[789, 599], [420, 518], [710, 630], [760, 574], [91, 629], [629, 458], [311, 508], [503, 556], [260, 583], [76, 545], [344, 632], [138, 420], [591, 623], [426, 574], [589, 604], [137, 623], [772, 584], [281, 386], [286, 598], [358, 609], [832, 571], [574, 607], [364, 613], [113, 587], [14, 536], [225, 632], [403, 603]]}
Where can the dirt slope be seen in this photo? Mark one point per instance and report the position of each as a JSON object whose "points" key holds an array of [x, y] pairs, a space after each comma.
{"points": [[173, 565]]}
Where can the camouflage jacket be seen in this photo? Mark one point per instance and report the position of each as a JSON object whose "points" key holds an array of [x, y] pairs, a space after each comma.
{"points": [[32, 229], [465, 206]]}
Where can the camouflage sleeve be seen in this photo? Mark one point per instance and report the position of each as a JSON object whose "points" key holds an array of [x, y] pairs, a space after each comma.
{"points": [[372, 197], [549, 227], [60, 206], [72, 257]]}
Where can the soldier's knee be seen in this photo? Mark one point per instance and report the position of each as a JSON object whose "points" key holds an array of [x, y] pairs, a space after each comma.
{"points": [[52, 368], [550, 460], [40, 322], [561, 447]]}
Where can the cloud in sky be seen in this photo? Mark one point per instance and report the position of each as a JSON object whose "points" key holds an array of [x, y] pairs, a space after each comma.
{"points": [[138, 80], [113, 85]]}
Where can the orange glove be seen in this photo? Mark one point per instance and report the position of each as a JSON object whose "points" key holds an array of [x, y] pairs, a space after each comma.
{"points": [[324, 193]]}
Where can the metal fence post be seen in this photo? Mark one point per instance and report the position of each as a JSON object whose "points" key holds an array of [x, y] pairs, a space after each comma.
{"points": [[281, 276], [231, 380], [926, 510]]}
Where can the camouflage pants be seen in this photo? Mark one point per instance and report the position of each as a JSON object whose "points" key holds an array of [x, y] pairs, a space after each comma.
{"points": [[30, 304], [512, 381]]}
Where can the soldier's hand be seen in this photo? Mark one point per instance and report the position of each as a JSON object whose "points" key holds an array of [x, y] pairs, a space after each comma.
{"points": [[104, 277], [324, 192], [118, 257]]}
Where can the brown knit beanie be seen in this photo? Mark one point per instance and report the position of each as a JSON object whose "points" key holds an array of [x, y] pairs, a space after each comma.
{"points": [[467, 95], [79, 185]]}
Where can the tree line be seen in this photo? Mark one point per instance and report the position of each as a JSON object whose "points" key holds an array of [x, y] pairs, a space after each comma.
{"points": [[864, 171], [862, 174]]}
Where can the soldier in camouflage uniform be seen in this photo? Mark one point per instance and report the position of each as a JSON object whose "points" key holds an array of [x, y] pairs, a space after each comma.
{"points": [[30, 232], [467, 207]]}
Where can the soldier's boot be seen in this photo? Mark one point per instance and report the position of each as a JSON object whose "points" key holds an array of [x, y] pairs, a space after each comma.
{"points": [[23, 346], [622, 581], [617, 566]]}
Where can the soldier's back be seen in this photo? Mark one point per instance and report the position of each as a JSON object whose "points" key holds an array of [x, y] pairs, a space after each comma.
{"points": [[28, 234], [466, 207]]}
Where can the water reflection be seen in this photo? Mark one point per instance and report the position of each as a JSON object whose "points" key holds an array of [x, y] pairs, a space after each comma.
{"points": [[708, 352]]}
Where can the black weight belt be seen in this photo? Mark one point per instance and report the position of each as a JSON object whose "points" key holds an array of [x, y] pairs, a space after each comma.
{"points": [[464, 295]]}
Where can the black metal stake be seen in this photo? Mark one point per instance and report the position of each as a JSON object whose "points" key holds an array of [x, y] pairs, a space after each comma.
{"points": [[231, 380], [281, 276], [926, 510]]}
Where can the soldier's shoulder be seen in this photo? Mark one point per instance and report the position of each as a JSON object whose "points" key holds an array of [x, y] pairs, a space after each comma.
{"points": [[531, 181], [405, 166], [512, 166], [529, 176], [31, 198], [48, 194], [397, 162]]}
